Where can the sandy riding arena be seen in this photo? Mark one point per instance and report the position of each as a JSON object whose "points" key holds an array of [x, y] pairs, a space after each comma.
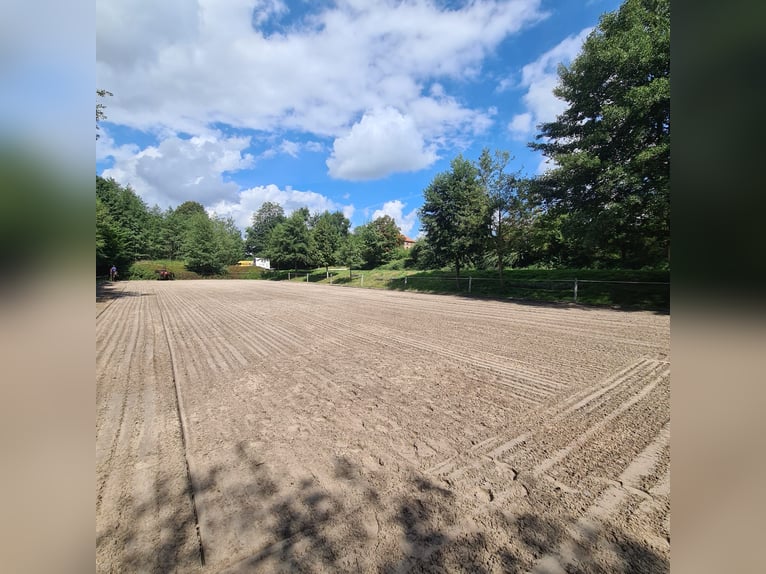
{"points": [[256, 426]]}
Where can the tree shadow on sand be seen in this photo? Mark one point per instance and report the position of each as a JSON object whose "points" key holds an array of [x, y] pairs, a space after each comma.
{"points": [[361, 525]]}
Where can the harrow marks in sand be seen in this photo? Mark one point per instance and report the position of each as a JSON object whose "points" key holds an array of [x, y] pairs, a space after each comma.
{"points": [[337, 429]]}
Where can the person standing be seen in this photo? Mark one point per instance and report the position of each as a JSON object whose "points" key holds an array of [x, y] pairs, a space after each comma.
{"points": [[113, 273]]}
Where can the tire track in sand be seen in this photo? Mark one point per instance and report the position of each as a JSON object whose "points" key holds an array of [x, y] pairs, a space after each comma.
{"points": [[568, 555], [610, 397]]}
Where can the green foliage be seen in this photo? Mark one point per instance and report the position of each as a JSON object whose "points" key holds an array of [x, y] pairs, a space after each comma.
{"points": [[350, 253], [245, 272], [455, 215], [147, 269], [122, 223], [328, 231], [172, 234], [228, 239], [595, 287], [508, 210], [200, 246], [400, 259], [189, 209], [108, 242], [611, 145], [127, 231], [613, 287], [100, 107], [380, 238], [211, 244], [263, 222], [291, 242]]}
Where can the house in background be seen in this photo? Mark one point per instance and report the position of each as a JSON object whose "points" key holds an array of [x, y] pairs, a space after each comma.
{"points": [[408, 243]]}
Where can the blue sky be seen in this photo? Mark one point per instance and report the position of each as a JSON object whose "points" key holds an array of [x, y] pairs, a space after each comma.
{"points": [[352, 105]]}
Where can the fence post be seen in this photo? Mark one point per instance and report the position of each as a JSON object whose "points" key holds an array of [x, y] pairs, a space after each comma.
{"points": [[362, 276], [470, 279], [575, 290], [288, 275], [307, 277], [330, 278], [405, 280]]}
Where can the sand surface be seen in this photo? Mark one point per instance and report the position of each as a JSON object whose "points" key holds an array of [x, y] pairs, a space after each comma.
{"points": [[256, 426]]}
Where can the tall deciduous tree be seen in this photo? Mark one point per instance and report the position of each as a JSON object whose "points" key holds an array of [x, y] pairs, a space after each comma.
{"points": [[211, 243], [329, 230], [351, 252], [611, 146], [503, 201], [228, 240], [200, 246], [263, 222], [380, 239], [291, 241], [455, 214]]}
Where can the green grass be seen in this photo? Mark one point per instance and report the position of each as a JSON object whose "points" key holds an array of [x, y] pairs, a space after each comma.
{"points": [[146, 269], [237, 272], [628, 289]]}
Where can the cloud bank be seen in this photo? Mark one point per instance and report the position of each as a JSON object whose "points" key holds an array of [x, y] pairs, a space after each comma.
{"points": [[364, 75], [539, 78]]}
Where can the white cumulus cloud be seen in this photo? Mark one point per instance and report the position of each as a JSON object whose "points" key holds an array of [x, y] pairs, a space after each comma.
{"points": [[395, 209], [250, 200], [177, 170], [540, 78], [185, 66], [382, 142]]}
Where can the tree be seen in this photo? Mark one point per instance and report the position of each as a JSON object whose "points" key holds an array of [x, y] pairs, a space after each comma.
{"points": [[131, 219], [108, 242], [211, 243], [172, 234], [350, 253], [503, 202], [291, 241], [228, 239], [263, 222], [154, 233], [100, 115], [380, 239], [455, 214], [200, 246], [422, 256], [329, 231], [611, 146], [188, 209]]}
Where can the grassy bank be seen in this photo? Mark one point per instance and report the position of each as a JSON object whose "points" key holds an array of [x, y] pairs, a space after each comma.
{"points": [[148, 270], [619, 288], [630, 289]]}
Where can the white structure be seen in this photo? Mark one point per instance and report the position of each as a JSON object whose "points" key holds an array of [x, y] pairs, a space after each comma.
{"points": [[263, 263]]}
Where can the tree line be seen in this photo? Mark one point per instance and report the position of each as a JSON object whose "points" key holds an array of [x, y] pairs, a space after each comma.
{"points": [[319, 240], [606, 200], [127, 231], [604, 203]]}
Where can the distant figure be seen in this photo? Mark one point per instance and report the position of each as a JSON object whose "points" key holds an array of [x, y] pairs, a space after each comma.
{"points": [[113, 273]]}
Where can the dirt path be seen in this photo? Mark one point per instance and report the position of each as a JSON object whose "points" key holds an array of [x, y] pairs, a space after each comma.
{"points": [[329, 429]]}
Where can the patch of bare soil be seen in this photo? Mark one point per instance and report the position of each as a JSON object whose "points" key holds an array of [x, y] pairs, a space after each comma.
{"points": [[280, 427]]}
